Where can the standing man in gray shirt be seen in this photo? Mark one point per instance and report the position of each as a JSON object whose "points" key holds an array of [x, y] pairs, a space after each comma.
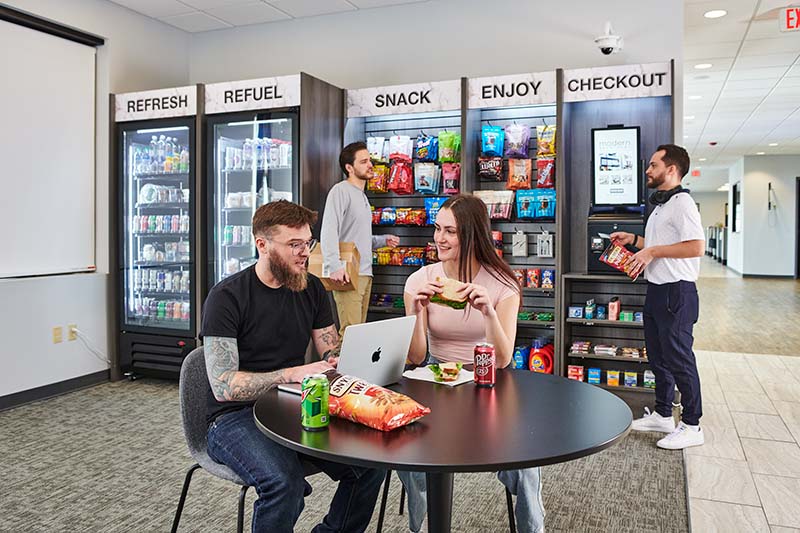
{"points": [[348, 218], [669, 254]]}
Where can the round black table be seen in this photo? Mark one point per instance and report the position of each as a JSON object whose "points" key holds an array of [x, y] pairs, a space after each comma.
{"points": [[527, 419]]}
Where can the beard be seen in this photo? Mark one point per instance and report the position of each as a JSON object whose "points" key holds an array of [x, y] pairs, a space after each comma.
{"points": [[655, 182], [295, 282], [366, 176]]}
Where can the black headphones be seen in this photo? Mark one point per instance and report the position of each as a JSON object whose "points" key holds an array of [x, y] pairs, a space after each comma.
{"points": [[662, 197]]}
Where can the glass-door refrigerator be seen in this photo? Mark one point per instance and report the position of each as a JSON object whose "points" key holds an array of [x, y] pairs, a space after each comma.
{"points": [[250, 163], [156, 249]]}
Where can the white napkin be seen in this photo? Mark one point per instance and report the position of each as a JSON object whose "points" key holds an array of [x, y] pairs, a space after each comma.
{"points": [[423, 373]]}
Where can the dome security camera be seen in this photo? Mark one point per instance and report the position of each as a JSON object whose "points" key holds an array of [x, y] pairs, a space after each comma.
{"points": [[608, 42]]}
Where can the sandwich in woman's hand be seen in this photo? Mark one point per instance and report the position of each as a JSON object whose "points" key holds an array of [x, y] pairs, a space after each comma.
{"points": [[449, 295], [445, 371]]}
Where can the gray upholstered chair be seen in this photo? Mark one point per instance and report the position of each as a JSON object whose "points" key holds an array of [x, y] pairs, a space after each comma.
{"points": [[195, 393]]}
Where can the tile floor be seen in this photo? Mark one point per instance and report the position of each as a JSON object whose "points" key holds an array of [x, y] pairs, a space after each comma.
{"points": [[746, 478]]}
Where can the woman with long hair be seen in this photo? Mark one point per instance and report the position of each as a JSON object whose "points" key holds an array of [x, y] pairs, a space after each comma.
{"points": [[442, 334]]}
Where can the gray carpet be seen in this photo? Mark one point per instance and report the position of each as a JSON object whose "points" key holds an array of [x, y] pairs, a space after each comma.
{"points": [[111, 458]]}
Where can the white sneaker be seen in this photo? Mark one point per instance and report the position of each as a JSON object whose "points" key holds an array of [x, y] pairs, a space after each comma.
{"points": [[654, 422], [683, 437]]}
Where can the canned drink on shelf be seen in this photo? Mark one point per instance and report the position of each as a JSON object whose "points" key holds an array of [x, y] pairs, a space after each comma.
{"points": [[153, 311], [177, 311], [168, 310], [184, 223], [151, 224], [144, 224], [137, 306], [153, 284], [168, 282], [176, 224], [161, 310], [185, 310], [485, 365], [185, 282], [183, 251], [162, 277], [135, 224], [227, 235], [314, 400], [137, 280], [236, 235], [159, 224]]}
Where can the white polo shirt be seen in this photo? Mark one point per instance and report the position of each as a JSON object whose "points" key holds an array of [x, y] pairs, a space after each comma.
{"points": [[676, 221]]}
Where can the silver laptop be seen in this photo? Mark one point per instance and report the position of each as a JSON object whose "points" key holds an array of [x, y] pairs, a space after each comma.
{"points": [[375, 352]]}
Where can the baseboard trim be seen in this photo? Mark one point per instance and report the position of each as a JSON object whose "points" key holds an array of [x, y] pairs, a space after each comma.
{"points": [[769, 276], [55, 389]]}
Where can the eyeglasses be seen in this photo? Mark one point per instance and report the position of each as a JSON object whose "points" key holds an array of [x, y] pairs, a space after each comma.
{"points": [[299, 247]]}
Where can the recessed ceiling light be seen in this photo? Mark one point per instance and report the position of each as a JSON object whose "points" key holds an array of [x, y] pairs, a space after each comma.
{"points": [[688, 117], [724, 187], [702, 159], [715, 13], [695, 97], [702, 77], [773, 144], [760, 153], [685, 136], [703, 66]]}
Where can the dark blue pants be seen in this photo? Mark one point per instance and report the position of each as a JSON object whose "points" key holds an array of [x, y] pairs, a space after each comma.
{"points": [[276, 473], [670, 312]]}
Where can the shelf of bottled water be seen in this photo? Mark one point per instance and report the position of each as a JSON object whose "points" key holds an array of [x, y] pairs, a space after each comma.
{"points": [[164, 155]]}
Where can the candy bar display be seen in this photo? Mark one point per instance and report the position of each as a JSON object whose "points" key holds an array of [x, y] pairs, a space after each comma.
{"points": [[498, 203], [519, 174], [576, 372], [490, 168], [400, 179], [580, 347]]}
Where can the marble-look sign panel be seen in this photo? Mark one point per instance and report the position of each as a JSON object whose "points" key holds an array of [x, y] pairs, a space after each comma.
{"points": [[624, 81], [514, 90], [247, 95], [162, 103], [402, 99]]}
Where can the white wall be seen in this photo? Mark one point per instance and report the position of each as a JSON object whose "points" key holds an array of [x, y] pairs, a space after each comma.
{"points": [[735, 240], [770, 239], [140, 53], [712, 207], [444, 39]]}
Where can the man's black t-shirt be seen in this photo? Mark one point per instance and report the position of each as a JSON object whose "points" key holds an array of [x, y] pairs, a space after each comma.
{"points": [[272, 327]]}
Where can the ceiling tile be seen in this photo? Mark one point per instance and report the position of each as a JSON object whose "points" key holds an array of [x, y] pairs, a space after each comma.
{"points": [[757, 47], [765, 29], [156, 8], [702, 51], [720, 33], [310, 8], [252, 13], [196, 22], [742, 73], [767, 60], [368, 4], [210, 4]]}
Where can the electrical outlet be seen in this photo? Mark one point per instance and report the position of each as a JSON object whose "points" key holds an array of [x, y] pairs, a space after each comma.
{"points": [[72, 332], [58, 334]]}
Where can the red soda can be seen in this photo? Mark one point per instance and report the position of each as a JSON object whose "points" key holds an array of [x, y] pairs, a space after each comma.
{"points": [[485, 365]]}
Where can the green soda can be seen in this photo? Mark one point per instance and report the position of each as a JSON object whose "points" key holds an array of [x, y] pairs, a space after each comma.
{"points": [[314, 402]]}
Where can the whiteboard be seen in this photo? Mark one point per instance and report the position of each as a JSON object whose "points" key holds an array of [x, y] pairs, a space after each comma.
{"points": [[47, 154]]}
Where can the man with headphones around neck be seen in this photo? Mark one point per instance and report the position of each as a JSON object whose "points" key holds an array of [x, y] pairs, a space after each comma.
{"points": [[669, 254]]}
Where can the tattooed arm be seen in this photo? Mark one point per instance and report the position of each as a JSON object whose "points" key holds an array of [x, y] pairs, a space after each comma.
{"points": [[326, 341], [229, 384]]}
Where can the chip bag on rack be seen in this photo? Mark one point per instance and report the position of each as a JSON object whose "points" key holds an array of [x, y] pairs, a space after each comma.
{"points": [[448, 148], [545, 173], [401, 148], [400, 179], [519, 174], [376, 215], [379, 180], [451, 173], [427, 148], [426, 178], [490, 168], [356, 400], [525, 204], [388, 216], [432, 206], [545, 141], [492, 139], [417, 216], [375, 148], [403, 215], [544, 204], [517, 138]]}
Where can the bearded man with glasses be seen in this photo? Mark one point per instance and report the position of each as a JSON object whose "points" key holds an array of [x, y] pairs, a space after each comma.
{"points": [[256, 327]]}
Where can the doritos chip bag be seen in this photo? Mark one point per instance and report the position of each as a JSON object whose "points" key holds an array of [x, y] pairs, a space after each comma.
{"points": [[379, 408]]}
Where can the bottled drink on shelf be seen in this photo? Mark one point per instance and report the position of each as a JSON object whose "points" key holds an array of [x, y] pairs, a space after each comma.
{"points": [[258, 153], [176, 224], [184, 223], [185, 310], [153, 281], [153, 311], [247, 154], [168, 282], [185, 282], [162, 309], [152, 154], [137, 280], [168, 310], [161, 151], [227, 235], [177, 311], [176, 281], [236, 235], [274, 155], [184, 160]]}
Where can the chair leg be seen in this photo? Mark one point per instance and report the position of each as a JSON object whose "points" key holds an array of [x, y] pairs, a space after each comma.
{"points": [[402, 498], [383, 500], [240, 514], [184, 492], [512, 524]]}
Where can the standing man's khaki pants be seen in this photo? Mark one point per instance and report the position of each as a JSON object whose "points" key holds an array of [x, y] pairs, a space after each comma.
{"points": [[352, 306]]}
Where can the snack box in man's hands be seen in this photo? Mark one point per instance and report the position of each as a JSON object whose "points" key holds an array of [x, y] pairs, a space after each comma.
{"points": [[348, 253]]}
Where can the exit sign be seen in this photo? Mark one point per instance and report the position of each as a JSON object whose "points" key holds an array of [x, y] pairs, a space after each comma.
{"points": [[790, 19]]}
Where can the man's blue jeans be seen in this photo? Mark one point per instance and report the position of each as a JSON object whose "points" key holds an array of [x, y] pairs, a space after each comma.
{"points": [[276, 472]]}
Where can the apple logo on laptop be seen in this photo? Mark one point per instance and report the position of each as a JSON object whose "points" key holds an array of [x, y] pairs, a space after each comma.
{"points": [[376, 355]]}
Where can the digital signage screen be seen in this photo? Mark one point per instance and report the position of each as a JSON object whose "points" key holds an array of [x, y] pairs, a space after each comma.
{"points": [[616, 179]]}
